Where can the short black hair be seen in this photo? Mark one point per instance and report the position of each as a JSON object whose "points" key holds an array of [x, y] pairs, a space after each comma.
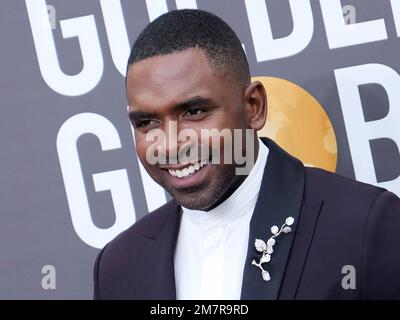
{"points": [[189, 28]]}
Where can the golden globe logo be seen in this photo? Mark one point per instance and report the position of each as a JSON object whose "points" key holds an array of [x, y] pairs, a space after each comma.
{"points": [[299, 124]]}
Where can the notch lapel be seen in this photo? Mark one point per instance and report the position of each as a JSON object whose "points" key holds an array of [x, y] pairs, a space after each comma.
{"points": [[280, 196], [303, 238], [156, 279]]}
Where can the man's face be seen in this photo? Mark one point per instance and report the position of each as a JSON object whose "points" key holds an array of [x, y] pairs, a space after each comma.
{"points": [[182, 88]]}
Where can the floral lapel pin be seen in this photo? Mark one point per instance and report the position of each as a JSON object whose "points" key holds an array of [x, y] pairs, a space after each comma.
{"points": [[268, 248]]}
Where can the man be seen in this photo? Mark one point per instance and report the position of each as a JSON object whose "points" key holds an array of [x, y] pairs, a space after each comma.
{"points": [[280, 231]]}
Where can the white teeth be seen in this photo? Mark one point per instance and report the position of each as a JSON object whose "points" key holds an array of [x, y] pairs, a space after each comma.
{"points": [[187, 171]]}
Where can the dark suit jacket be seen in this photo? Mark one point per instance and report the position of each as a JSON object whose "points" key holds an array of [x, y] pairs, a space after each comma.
{"points": [[338, 222]]}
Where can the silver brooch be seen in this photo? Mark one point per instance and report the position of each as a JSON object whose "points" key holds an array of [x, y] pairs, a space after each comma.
{"points": [[268, 248]]}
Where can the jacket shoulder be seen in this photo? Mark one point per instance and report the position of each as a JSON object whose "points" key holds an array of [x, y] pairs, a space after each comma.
{"points": [[330, 185], [349, 217], [113, 269]]}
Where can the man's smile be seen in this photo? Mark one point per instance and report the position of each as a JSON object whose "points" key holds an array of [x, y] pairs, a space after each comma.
{"points": [[191, 175], [187, 171]]}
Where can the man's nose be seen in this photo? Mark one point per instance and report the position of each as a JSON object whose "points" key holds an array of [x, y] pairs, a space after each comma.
{"points": [[178, 142], [170, 145]]}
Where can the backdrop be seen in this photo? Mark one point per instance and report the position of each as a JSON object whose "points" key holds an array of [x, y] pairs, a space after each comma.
{"points": [[70, 178]]}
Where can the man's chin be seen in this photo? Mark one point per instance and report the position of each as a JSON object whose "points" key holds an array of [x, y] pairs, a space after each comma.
{"points": [[195, 201]]}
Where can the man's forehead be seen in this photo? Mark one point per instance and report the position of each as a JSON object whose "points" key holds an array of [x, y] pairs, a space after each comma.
{"points": [[170, 66], [155, 103], [170, 79]]}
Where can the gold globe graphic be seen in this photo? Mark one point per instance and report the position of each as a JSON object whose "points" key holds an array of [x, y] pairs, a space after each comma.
{"points": [[298, 123]]}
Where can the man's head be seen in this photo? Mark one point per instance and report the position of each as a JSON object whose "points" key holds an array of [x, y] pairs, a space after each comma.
{"points": [[188, 68], [182, 29]]}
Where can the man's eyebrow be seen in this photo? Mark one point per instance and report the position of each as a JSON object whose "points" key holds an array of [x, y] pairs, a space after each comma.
{"points": [[193, 102], [136, 115]]}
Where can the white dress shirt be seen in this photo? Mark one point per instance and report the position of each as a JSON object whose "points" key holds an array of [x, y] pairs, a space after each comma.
{"points": [[212, 245]]}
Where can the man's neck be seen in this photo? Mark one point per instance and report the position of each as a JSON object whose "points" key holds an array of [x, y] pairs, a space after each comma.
{"points": [[238, 179]]}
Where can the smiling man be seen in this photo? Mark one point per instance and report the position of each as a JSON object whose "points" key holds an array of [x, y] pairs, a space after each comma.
{"points": [[183, 88], [277, 230]]}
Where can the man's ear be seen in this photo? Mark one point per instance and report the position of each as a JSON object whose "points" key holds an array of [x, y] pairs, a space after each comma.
{"points": [[255, 99]]}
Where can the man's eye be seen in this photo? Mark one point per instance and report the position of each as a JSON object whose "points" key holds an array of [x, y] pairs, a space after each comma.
{"points": [[145, 123], [194, 112]]}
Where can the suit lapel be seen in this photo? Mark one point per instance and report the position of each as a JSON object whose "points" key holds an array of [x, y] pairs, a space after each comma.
{"points": [[280, 196], [303, 238], [157, 277]]}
